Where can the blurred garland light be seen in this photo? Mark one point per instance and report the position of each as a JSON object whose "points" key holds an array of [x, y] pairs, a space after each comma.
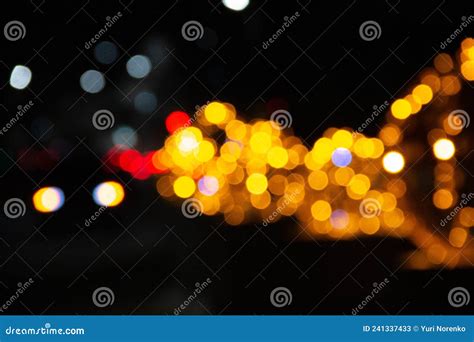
{"points": [[345, 185]]}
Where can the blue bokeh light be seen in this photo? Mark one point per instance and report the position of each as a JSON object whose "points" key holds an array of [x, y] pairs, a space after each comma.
{"points": [[341, 157]]}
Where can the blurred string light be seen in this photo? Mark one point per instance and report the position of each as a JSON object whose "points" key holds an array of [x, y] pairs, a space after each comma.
{"points": [[236, 5], [48, 199], [92, 81], [138, 66], [20, 77], [344, 185], [109, 194]]}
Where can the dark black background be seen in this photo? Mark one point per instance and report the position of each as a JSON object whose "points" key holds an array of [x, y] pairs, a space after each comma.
{"points": [[145, 250]]}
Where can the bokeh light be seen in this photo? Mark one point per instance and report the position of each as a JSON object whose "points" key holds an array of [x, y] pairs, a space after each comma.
{"points": [[339, 219], [176, 120], [401, 109], [138, 66], [109, 194], [393, 162], [48, 199], [145, 102], [235, 5], [92, 81], [184, 187], [20, 77], [208, 185], [341, 157], [124, 136], [215, 112], [106, 52], [256, 183], [443, 149]]}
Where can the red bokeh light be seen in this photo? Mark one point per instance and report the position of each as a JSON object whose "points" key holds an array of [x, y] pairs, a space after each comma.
{"points": [[130, 160], [152, 164], [176, 120]]}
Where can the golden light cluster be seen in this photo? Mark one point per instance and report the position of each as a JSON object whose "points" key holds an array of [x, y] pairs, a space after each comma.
{"points": [[343, 186]]}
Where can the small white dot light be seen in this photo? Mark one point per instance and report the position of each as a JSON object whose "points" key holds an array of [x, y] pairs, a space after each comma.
{"points": [[138, 66], [236, 5], [20, 77]]}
